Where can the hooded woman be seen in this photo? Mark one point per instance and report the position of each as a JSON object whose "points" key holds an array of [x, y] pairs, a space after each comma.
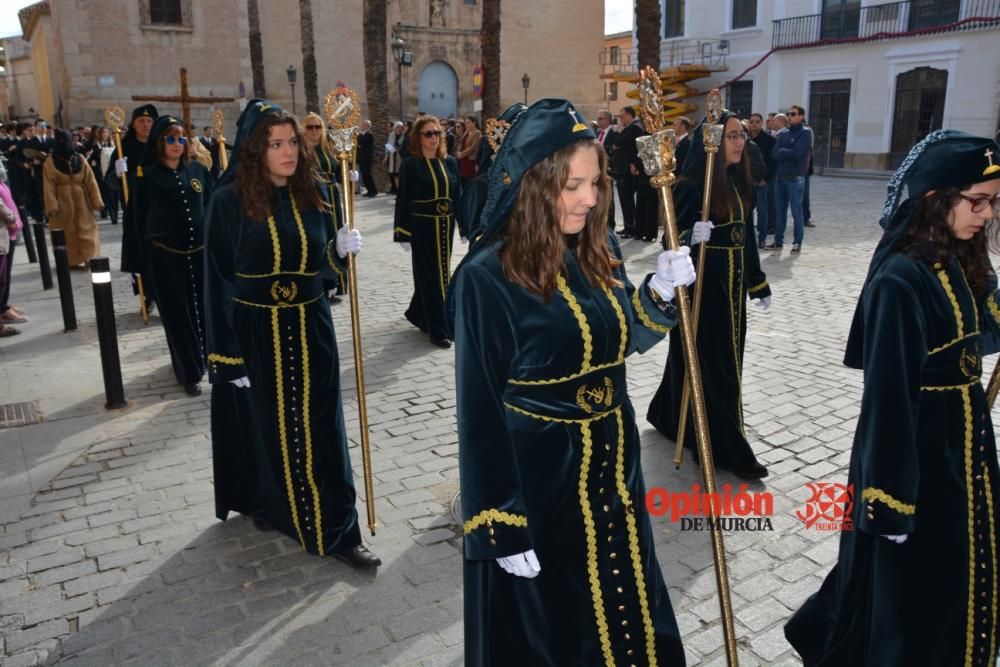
{"points": [[171, 197], [71, 197], [278, 438], [916, 579], [732, 273], [559, 563]]}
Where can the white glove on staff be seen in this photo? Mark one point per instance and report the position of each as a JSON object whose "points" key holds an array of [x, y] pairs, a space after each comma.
{"points": [[405, 245], [673, 267], [521, 565], [763, 303], [898, 539], [348, 241], [242, 383], [121, 166], [354, 175], [701, 232]]}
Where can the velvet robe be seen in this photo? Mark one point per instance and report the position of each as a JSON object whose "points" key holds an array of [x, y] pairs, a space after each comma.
{"points": [[732, 273], [923, 463], [425, 218], [549, 460], [133, 258], [329, 169], [279, 447], [171, 205]]}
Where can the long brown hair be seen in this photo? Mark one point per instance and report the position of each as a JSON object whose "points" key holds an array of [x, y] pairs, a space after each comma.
{"points": [[253, 181], [415, 149], [929, 237], [723, 202], [532, 252]]}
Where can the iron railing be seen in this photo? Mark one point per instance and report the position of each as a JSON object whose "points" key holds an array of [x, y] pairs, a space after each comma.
{"points": [[887, 21]]}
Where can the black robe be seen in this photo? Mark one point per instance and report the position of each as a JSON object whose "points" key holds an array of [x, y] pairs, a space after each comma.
{"points": [[279, 447], [923, 463], [170, 213], [549, 461], [425, 218], [732, 273], [133, 257]]}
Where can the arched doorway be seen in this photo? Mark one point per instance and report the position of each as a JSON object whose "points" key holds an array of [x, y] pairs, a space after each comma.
{"points": [[919, 109], [438, 90]]}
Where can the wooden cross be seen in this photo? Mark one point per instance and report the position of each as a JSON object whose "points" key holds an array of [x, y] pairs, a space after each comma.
{"points": [[185, 100]]}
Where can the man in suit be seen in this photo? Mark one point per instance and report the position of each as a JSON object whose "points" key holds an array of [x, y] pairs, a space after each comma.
{"points": [[366, 154], [209, 142], [605, 137], [682, 141], [624, 165]]}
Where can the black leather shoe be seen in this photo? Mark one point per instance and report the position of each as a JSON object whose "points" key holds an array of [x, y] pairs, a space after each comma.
{"points": [[756, 471], [193, 389], [443, 343], [358, 556]]}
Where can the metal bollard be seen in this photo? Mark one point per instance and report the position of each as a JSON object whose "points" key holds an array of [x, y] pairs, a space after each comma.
{"points": [[43, 255], [65, 282], [28, 237], [107, 333]]}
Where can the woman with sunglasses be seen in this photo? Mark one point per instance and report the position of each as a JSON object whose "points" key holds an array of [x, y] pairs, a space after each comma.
{"points": [[425, 224], [732, 273], [278, 438], [171, 200], [71, 196], [328, 167], [916, 580]]}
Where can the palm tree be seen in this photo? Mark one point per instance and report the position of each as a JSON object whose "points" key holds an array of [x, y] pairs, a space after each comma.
{"points": [[376, 81], [647, 33], [490, 57], [309, 76], [256, 49]]}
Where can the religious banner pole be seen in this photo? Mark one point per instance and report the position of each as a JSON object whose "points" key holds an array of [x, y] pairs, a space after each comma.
{"points": [[343, 110], [657, 153], [219, 124], [711, 138], [114, 117], [993, 388]]}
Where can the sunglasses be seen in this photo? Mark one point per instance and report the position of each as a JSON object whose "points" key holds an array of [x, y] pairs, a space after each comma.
{"points": [[314, 127], [171, 140], [431, 133], [980, 204], [792, 113]]}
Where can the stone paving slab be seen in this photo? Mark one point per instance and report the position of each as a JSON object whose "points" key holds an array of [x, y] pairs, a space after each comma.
{"points": [[110, 552]]}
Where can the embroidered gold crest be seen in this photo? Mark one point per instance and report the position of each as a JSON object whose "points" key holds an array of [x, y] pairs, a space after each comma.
{"points": [[283, 294], [196, 185], [969, 364], [442, 208], [738, 235], [590, 399]]}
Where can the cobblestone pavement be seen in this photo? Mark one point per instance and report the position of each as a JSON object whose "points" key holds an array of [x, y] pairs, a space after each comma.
{"points": [[110, 552]]}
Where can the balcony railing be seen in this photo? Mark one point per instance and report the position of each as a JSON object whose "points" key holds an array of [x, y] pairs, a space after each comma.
{"points": [[891, 20]]}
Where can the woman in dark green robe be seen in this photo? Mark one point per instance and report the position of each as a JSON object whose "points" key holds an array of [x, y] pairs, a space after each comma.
{"points": [[171, 198], [425, 224], [916, 582], [732, 273], [278, 433], [560, 566], [328, 167]]}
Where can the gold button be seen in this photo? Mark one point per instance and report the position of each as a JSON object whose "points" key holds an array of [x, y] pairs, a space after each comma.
{"points": [[490, 530], [619, 589], [624, 624], [615, 572], [601, 491], [613, 555], [621, 607], [606, 508], [607, 447], [611, 526], [605, 464], [629, 652], [870, 517], [628, 636], [492, 541]]}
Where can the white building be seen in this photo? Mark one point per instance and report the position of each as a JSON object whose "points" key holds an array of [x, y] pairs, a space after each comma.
{"points": [[874, 77]]}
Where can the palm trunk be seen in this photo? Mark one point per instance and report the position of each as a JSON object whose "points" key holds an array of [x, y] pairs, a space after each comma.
{"points": [[309, 75], [256, 49], [648, 22], [376, 83], [490, 48]]}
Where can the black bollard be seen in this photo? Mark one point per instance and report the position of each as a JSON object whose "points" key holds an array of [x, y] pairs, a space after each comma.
{"points": [[43, 255], [65, 282], [29, 241], [107, 333]]}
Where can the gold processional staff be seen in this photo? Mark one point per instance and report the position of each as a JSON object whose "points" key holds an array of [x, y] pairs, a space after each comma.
{"points": [[114, 117], [657, 153], [219, 124], [343, 110]]}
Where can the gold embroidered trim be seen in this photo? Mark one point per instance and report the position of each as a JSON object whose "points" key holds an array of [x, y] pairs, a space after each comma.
{"points": [[567, 378], [275, 243], [302, 238], [952, 342], [622, 323], [640, 311], [991, 304], [581, 320], [516, 520], [993, 555], [282, 433], [758, 287], [970, 502], [434, 177], [178, 252], [306, 274], [633, 542], [950, 387], [402, 231], [330, 246], [588, 525], [559, 420], [307, 430], [872, 493], [736, 302], [220, 359], [280, 305], [946, 284]]}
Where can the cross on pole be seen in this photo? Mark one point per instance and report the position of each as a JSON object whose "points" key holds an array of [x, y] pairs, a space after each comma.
{"points": [[185, 100]]}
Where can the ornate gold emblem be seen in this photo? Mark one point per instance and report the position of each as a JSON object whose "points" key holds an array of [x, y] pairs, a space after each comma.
{"points": [[115, 117], [496, 130], [738, 235], [590, 399], [442, 208], [283, 294], [196, 185], [969, 364]]}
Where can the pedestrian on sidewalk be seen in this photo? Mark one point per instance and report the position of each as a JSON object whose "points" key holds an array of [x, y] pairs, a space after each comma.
{"points": [[278, 441], [916, 579], [792, 147], [9, 314], [731, 275], [558, 545], [8, 229], [71, 198], [172, 196]]}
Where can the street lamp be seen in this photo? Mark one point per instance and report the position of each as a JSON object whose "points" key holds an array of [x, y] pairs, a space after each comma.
{"points": [[291, 81], [398, 50], [525, 82]]}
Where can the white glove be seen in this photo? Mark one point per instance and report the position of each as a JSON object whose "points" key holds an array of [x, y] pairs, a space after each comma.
{"points": [[521, 565], [121, 166], [242, 383], [405, 245], [701, 232], [348, 241], [465, 240], [673, 267], [898, 539], [354, 176], [764, 303]]}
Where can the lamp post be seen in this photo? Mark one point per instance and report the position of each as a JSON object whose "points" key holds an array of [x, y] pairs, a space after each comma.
{"points": [[291, 81], [526, 82], [398, 49]]}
